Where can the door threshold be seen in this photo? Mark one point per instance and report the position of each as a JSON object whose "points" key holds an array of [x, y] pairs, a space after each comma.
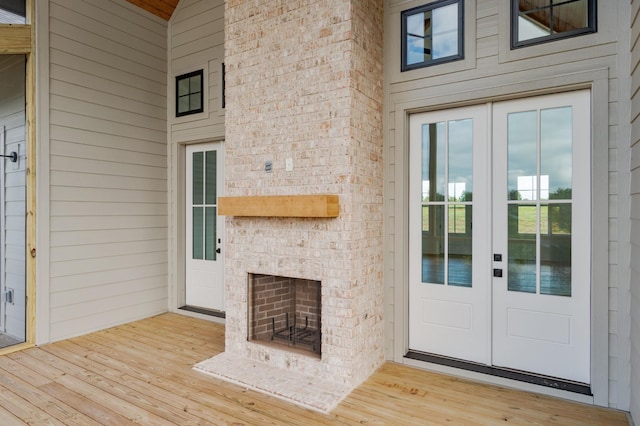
{"points": [[505, 373], [203, 311]]}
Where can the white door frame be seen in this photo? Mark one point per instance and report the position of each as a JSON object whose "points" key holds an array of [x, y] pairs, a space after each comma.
{"points": [[589, 207], [217, 267]]}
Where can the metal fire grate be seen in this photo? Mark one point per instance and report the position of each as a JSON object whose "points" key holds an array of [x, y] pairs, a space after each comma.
{"points": [[296, 335]]}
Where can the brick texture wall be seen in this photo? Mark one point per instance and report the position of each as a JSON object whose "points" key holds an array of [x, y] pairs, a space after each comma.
{"points": [[304, 82]]}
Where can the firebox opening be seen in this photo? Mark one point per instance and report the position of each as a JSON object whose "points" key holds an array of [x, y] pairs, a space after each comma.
{"points": [[285, 311]]}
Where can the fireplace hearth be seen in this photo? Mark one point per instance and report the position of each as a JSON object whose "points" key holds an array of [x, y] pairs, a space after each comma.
{"points": [[285, 311]]}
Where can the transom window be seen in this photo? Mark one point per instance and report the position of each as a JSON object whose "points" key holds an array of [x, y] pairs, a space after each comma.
{"points": [[432, 34], [539, 21], [189, 93]]}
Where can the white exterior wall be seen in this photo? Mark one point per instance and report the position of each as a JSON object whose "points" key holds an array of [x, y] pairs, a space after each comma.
{"points": [[492, 71], [196, 41], [107, 166], [13, 209], [635, 212]]}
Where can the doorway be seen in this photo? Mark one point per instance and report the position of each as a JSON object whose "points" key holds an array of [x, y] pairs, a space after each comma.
{"points": [[13, 195], [499, 246], [204, 267]]}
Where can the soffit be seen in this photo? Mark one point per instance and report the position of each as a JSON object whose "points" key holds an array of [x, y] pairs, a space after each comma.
{"points": [[161, 8]]}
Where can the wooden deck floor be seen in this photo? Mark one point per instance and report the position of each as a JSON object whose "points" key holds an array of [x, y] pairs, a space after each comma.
{"points": [[140, 373]]}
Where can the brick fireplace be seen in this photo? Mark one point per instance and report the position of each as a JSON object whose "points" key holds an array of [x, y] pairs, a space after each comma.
{"points": [[285, 311], [304, 116]]}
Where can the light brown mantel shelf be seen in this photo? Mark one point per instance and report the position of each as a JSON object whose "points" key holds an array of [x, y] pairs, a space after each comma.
{"points": [[326, 205]]}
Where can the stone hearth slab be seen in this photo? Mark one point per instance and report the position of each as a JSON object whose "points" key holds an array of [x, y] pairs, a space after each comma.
{"points": [[292, 386]]}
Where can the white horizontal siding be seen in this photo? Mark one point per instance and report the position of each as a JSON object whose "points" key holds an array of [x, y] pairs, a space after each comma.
{"points": [[197, 40], [120, 143], [100, 250], [108, 167], [98, 279], [67, 208]]}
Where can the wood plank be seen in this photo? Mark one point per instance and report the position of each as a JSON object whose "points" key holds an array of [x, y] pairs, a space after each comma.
{"points": [[89, 408], [98, 394], [32, 171], [24, 410], [27, 383], [223, 401], [9, 419], [161, 8], [15, 39], [142, 373], [117, 385], [280, 206]]}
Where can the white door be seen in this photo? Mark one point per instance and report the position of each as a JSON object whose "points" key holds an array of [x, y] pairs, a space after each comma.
{"points": [[500, 234], [204, 228], [449, 313], [542, 220]]}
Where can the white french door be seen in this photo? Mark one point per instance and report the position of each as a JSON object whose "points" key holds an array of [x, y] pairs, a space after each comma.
{"points": [[204, 280], [500, 234], [449, 313]]}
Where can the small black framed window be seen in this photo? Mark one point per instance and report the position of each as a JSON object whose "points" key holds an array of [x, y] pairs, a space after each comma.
{"points": [[432, 34], [540, 21], [189, 93]]}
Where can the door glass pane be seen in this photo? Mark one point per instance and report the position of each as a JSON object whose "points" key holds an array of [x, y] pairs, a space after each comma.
{"points": [[460, 245], [198, 232], [447, 196], [539, 242], [556, 153], [460, 190], [433, 161], [522, 233], [460, 160], [210, 233], [433, 259], [198, 177], [555, 251], [522, 137], [210, 186]]}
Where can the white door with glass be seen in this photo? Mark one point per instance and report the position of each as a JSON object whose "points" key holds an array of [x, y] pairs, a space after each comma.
{"points": [[449, 227], [204, 279], [500, 234]]}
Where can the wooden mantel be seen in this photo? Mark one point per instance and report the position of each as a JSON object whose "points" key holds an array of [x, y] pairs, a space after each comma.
{"points": [[325, 205]]}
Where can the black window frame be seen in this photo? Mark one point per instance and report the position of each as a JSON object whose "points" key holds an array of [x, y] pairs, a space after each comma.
{"points": [[426, 8], [188, 76], [589, 29]]}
